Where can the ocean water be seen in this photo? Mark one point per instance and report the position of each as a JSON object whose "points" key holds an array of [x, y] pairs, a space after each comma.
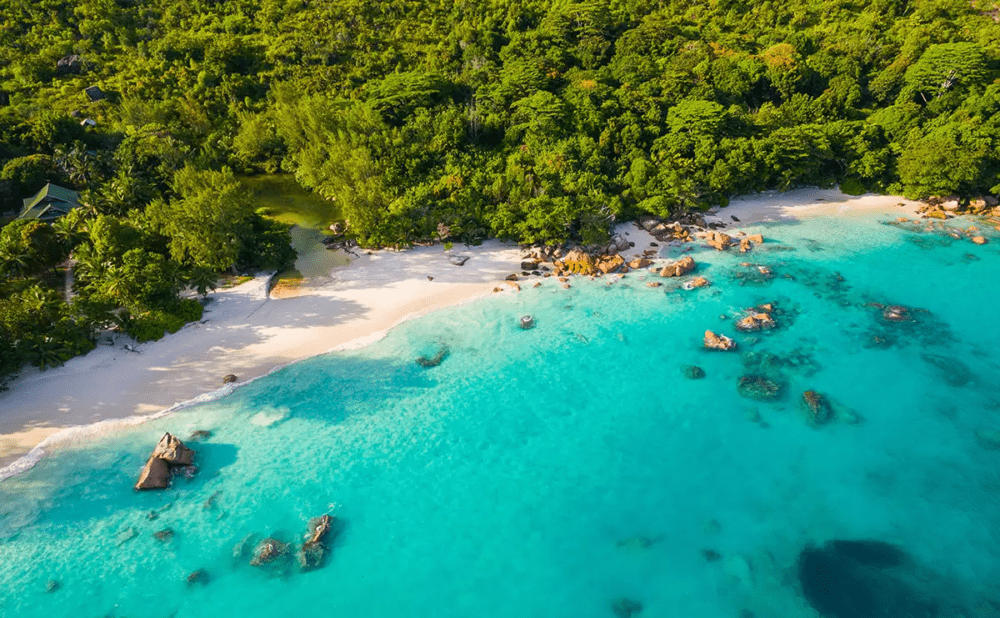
{"points": [[549, 472]]}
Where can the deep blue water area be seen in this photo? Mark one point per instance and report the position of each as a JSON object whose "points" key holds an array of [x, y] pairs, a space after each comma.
{"points": [[553, 471]]}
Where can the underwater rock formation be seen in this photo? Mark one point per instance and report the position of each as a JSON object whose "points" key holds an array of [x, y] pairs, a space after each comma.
{"points": [[435, 360], [200, 576], [313, 551], [953, 371], [199, 435], [759, 388], [268, 551], [169, 454], [164, 535], [816, 407], [693, 372]]}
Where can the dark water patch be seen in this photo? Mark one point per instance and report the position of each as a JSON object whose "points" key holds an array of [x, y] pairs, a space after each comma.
{"points": [[776, 248], [950, 369], [872, 553], [930, 242], [862, 579], [825, 283], [814, 246], [801, 360]]}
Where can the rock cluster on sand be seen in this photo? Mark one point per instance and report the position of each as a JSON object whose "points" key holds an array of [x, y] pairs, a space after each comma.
{"points": [[169, 455], [718, 342]]}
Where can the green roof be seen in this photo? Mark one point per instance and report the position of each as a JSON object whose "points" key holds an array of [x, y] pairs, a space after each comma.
{"points": [[51, 202]]}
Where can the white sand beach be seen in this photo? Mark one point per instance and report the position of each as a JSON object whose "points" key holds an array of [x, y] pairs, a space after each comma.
{"points": [[245, 333], [773, 206]]}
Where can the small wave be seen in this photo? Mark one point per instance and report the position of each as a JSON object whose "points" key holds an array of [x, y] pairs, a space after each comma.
{"points": [[71, 435], [83, 432]]}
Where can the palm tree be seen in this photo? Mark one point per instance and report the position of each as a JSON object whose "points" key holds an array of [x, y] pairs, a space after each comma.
{"points": [[15, 260], [203, 280]]}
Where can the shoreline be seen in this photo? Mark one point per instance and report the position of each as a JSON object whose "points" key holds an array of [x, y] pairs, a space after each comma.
{"points": [[246, 333]]}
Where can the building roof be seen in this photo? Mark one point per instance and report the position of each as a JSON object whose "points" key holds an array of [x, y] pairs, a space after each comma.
{"points": [[93, 93], [50, 203]]}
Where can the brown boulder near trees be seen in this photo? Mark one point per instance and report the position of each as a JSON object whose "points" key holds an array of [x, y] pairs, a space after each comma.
{"points": [[169, 453]]}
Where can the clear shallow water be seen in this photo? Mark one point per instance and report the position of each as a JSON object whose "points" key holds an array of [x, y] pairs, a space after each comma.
{"points": [[504, 481]]}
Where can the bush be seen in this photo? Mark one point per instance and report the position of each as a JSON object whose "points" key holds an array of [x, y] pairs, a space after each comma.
{"points": [[852, 186], [154, 325]]}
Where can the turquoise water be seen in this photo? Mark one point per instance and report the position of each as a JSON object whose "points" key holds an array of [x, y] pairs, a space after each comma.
{"points": [[509, 480]]}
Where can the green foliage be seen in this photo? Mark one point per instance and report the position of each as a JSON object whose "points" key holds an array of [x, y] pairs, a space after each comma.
{"points": [[153, 325], [208, 221], [29, 247], [530, 120]]}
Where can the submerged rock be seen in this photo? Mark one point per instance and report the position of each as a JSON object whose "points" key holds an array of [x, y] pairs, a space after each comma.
{"points": [[817, 407], [693, 372], [164, 535], [718, 342], [623, 608], [759, 387], [169, 453], [51, 586], [199, 435], [313, 552], [896, 313], [953, 371], [200, 576], [435, 360], [268, 551]]}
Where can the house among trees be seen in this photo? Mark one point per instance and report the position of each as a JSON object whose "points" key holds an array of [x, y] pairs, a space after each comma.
{"points": [[50, 203]]}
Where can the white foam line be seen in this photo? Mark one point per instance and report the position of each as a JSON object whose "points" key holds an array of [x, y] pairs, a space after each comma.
{"points": [[82, 432]]}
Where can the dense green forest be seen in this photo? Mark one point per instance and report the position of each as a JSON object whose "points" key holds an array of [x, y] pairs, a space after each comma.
{"points": [[540, 121]]}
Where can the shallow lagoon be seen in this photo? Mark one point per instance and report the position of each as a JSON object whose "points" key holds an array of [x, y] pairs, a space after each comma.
{"points": [[548, 472]]}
